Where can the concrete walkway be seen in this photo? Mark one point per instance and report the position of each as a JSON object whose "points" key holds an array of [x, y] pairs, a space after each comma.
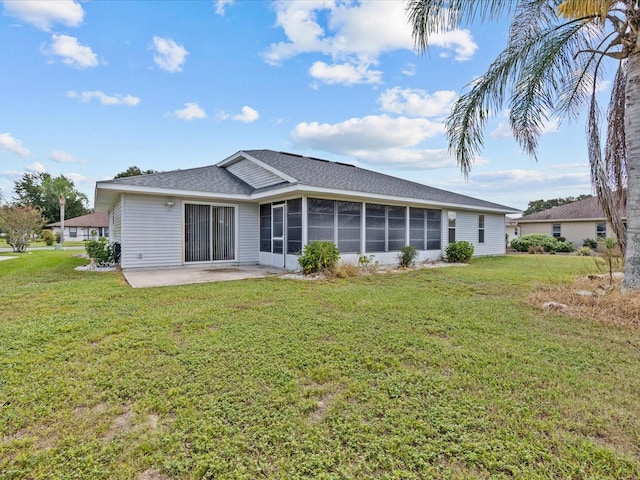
{"points": [[184, 276]]}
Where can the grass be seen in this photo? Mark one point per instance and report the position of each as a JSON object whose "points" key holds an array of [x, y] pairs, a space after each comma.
{"points": [[434, 373]]}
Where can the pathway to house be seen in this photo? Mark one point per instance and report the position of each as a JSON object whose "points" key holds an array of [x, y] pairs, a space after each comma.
{"points": [[184, 276]]}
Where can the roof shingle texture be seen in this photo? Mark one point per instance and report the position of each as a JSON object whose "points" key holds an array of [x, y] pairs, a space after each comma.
{"points": [[307, 171], [201, 179], [589, 208], [335, 175], [91, 220]]}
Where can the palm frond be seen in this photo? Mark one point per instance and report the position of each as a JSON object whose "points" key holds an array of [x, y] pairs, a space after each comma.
{"points": [[600, 177], [437, 16], [574, 9]]}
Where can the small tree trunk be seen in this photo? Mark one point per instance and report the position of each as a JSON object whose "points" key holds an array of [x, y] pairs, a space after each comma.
{"points": [[632, 131]]}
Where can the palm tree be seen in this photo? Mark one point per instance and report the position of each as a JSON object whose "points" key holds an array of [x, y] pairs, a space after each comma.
{"points": [[551, 67]]}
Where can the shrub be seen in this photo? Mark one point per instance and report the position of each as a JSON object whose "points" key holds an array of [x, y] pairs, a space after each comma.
{"points": [[546, 242], [584, 251], [590, 243], [48, 237], [102, 253], [319, 256], [563, 246], [407, 256], [523, 243], [366, 263], [459, 252]]}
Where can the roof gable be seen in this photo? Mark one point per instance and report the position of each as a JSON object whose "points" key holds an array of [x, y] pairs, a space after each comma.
{"points": [[321, 173]]}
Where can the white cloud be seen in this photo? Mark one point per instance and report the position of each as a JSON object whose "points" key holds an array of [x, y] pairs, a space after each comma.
{"points": [[365, 134], [60, 156], [522, 177], [460, 41], [503, 130], [79, 178], [169, 55], [247, 115], [73, 54], [409, 70], [103, 98], [44, 14], [345, 73], [353, 33], [407, 158], [36, 167], [416, 102], [191, 111], [10, 144], [221, 5]]}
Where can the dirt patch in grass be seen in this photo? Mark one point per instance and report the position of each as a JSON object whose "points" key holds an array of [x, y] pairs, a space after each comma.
{"points": [[151, 474], [323, 406], [594, 298]]}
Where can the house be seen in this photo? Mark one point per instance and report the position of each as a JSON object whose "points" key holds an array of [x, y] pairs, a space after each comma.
{"points": [[84, 227], [263, 207], [575, 221]]}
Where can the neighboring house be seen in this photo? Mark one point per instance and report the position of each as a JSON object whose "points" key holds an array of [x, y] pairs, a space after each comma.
{"points": [[263, 207], [511, 228], [574, 221], [85, 227]]}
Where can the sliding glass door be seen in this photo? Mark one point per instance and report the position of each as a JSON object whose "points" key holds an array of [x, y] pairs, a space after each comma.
{"points": [[209, 233]]}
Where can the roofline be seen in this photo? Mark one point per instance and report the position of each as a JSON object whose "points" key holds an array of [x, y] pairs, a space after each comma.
{"points": [[364, 195], [296, 188], [236, 156]]}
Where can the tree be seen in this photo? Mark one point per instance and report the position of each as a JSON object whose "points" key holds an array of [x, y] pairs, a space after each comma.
{"points": [[551, 67], [43, 191], [20, 224], [541, 205], [133, 172]]}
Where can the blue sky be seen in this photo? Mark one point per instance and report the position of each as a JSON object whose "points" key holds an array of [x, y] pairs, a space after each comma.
{"points": [[89, 88]]}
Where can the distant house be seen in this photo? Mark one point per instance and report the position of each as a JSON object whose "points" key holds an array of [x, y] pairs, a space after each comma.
{"points": [[263, 207], [574, 221], [85, 227]]}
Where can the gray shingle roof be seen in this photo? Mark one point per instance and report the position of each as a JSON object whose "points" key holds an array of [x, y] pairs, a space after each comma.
{"points": [[307, 171], [589, 208], [202, 179], [323, 173]]}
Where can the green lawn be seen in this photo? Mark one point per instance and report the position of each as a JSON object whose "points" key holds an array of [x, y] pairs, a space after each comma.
{"points": [[438, 373]]}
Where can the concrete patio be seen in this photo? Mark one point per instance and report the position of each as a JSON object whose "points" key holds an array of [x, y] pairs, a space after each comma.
{"points": [[188, 275]]}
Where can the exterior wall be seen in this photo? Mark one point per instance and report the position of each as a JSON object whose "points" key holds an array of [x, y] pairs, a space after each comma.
{"points": [[152, 233], [254, 175], [248, 232], [82, 233], [573, 231], [115, 222], [467, 230]]}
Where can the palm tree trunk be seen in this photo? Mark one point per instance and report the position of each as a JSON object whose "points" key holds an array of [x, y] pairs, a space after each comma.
{"points": [[632, 131]]}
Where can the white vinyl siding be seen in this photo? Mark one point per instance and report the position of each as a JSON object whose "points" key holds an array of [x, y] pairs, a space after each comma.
{"points": [[248, 238], [467, 230], [153, 234], [116, 225], [253, 174]]}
